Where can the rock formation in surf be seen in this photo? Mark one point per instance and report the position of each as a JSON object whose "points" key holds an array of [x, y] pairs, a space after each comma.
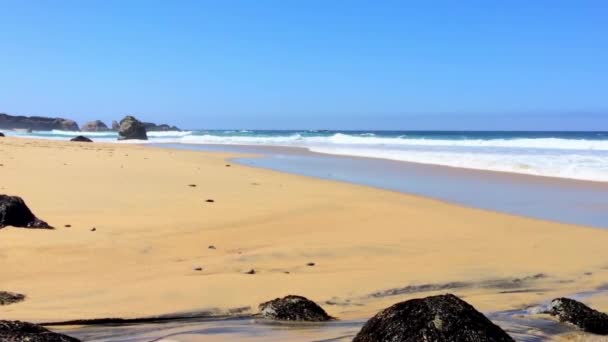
{"points": [[131, 128], [94, 126], [36, 123], [444, 318], [579, 314], [7, 298]]}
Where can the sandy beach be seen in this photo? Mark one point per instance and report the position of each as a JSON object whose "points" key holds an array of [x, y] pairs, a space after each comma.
{"points": [[154, 226]]}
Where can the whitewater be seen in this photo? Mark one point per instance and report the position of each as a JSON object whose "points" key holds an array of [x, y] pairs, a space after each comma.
{"points": [[574, 155]]}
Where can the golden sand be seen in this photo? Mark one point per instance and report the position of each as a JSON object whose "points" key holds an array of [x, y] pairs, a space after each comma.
{"points": [[153, 229]]}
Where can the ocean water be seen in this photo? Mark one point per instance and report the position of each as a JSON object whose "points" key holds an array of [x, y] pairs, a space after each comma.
{"points": [[574, 155]]}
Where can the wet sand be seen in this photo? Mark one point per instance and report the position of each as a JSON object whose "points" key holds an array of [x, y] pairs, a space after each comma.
{"points": [[371, 247]]}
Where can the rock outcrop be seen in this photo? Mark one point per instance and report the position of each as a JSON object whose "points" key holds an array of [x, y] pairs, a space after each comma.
{"points": [[1, 134], [131, 128], [36, 123], [14, 212], [81, 138], [7, 298], [94, 126], [444, 318], [152, 127], [579, 314], [293, 308], [16, 331], [115, 125]]}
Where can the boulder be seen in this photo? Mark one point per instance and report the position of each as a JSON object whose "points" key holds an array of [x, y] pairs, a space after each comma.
{"points": [[81, 138], [131, 128], [7, 298], [14, 212], [94, 126], [152, 127], [115, 125], [293, 308], [579, 314], [16, 331], [1, 134], [36, 123], [444, 318]]}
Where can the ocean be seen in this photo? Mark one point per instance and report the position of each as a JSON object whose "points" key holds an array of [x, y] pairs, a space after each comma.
{"points": [[573, 155]]}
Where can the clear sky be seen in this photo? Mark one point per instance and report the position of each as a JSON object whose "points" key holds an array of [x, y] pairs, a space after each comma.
{"points": [[517, 64]]}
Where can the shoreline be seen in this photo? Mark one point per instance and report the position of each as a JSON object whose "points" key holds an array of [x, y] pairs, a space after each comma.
{"points": [[152, 229]]}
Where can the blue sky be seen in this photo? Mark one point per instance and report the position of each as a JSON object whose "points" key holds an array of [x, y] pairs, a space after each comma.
{"points": [[310, 64]]}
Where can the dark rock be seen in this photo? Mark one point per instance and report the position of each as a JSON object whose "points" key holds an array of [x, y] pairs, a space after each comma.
{"points": [[444, 318], [14, 212], [212, 247], [310, 264], [579, 314], [36, 123], [209, 201], [228, 165], [293, 308], [68, 225], [152, 127], [115, 125], [81, 138], [94, 126], [251, 271], [131, 128], [16, 331], [198, 268], [1, 134], [7, 298], [192, 185], [93, 229]]}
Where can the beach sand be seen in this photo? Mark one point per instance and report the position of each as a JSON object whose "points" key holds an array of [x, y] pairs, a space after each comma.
{"points": [[153, 229]]}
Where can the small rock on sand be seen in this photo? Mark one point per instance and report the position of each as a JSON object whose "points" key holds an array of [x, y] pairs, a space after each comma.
{"points": [[81, 138], [210, 201], [310, 264], [93, 229], [198, 268], [293, 308], [192, 185], [211, 247], [251, 271], [7, 298]]}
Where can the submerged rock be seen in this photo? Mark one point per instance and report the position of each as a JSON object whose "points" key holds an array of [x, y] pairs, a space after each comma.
{"points": [[579, 314], [293, 308], [16, 331], [444, 318], [94, 126], [7, 298], [14, 212], [131, 128], [152, 127], [81, 138]]}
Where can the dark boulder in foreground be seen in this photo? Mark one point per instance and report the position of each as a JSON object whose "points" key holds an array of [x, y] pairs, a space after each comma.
{"points": [[444, 318], [14, 212], [293, 308], [131, 128], [81, 138], [94, 126], [16, 331], [579, 314], [7, 298], [1, 134]]}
